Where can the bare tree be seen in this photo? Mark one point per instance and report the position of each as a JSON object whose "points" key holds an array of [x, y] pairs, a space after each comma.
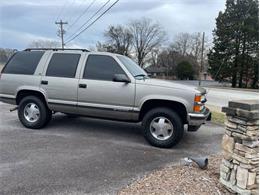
{"points": [[44, 43], [190, 44], [119, 39], [147, 35]]}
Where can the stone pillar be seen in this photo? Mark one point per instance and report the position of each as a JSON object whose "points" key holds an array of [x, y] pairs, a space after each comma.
{"points": [[239, 169]]}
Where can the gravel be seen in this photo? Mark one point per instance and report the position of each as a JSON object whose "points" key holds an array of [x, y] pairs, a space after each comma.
{"points": [[180, 179]]}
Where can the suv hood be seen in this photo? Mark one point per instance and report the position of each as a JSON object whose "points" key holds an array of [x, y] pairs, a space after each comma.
{"points": [[170, 84]]}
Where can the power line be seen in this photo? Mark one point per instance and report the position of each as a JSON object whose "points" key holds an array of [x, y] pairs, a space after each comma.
{"points": [[82, 14], [90, 19], [64, 7], [61, 10], [92, 22]]}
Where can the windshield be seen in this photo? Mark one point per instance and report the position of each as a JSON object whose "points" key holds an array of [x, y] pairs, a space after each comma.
{"points": [[132, 67]]}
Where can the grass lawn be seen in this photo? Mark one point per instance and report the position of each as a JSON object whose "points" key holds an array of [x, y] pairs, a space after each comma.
{"points": [[218, 117]]}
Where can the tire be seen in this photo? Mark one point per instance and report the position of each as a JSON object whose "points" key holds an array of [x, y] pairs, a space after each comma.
{"points": [[38, 117], [166, 133]]}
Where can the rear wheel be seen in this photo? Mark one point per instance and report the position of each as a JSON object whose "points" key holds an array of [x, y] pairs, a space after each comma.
{"points": [[33, 113], [162, 127]]}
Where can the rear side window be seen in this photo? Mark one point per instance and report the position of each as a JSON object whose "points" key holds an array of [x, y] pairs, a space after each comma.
{"points": [[23, 62], [101, 67], [63, 65]]}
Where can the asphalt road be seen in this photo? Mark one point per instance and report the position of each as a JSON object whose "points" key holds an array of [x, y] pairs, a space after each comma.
{"points": [[86, 156], [220, 97]]}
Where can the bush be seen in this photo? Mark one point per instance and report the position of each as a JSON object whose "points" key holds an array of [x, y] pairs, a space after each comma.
{"points": [[184, 70]]}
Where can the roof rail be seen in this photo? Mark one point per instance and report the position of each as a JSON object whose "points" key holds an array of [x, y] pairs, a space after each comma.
{"points": [[56, 49]]}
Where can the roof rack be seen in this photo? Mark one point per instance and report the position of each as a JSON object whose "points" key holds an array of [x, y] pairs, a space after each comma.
{"points": [[56, 49]]}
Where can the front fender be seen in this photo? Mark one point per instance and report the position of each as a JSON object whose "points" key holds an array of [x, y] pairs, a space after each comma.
{"points": [[164, 97]]}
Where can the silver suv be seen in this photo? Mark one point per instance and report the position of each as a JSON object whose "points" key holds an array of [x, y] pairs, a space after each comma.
{"points": [[102, 85]]}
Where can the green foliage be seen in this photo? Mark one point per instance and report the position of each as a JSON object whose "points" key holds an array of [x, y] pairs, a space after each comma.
{"points": [[184, 70], [235, 53]]}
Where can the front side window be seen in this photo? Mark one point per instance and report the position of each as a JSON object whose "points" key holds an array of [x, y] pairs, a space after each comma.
{"points": [[132, 67], [101, 67], [63, 65], [23, 62]]}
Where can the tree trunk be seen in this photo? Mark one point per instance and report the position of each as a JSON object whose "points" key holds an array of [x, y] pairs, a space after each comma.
{"points": [[241, 73], [234, 74]]}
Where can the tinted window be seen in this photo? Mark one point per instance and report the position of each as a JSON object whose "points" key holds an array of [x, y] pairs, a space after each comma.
{"points": [[23, 62], [99, 67], [63, 65]]}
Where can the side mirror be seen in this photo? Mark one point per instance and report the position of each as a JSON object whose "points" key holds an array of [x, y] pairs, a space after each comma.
{"points": [[121, 78]]}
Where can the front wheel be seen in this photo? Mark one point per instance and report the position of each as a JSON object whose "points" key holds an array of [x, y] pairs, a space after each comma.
{"points": [[33, 113], [163, 127]]}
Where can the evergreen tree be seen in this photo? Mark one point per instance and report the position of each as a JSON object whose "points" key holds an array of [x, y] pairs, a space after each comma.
{"points": [[234, 55]]}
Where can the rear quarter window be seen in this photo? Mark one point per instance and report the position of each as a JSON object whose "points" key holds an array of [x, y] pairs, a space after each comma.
{"points": [[23, 62]]}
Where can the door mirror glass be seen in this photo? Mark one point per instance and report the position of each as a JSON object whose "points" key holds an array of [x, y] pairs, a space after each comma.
{"points": [[121, 78]]}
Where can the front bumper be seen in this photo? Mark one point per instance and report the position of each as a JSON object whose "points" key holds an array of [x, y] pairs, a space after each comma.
{"points": [[197, 119]]}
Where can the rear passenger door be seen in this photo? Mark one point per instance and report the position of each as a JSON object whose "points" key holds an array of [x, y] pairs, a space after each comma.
{"points": [[60, 81]]}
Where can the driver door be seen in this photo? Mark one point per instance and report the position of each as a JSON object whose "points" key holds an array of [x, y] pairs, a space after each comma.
{"points": [[99, 96]]}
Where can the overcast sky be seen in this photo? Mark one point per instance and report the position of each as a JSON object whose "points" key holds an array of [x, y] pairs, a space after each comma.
{"points": [[22, 21]]}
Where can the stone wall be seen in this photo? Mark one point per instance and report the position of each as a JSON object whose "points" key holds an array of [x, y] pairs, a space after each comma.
{"points": [[239, 170]]}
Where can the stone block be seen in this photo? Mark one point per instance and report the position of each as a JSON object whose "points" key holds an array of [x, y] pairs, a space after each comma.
{"points": [[229, 111], [252, 133], [244, 104], [233, 180], [255, 192], [229, 133], [246, 149], [240, 158], [234, 188], [227, 155], [251, 128], [231, 125], [246, 166], [251, 144], [247, 114], [237, 120], [244, 137], [251, 178], [241, 153], [251, 187], [224, 169], [252, 156], [242, 128], [227, 163], [241, 177], [228, 143], [252, 123]]}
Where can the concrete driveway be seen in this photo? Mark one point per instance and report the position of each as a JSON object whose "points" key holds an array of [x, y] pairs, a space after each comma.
{"points": [[80, 156]]}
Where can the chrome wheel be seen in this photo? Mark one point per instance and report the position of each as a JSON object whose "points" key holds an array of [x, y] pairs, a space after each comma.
{"points": [[161, 128], [31, 112]]}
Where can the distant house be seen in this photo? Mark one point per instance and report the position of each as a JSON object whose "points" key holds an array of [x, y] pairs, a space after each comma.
{"points": [[156, 71]]}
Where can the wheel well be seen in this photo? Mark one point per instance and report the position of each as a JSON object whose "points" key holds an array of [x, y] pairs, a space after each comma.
{"points": [[176, 106], [23, 93]]}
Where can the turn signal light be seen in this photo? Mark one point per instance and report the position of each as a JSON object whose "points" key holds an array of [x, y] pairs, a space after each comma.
{"points": [[197, 98], [196, 108]]}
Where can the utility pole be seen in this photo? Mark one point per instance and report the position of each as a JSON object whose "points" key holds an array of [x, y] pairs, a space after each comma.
{"points": [[61, 32], [201, 59]]}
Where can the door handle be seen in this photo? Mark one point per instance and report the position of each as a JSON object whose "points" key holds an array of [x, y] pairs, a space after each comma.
{"points": [[44, 82], [82, 86]]}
